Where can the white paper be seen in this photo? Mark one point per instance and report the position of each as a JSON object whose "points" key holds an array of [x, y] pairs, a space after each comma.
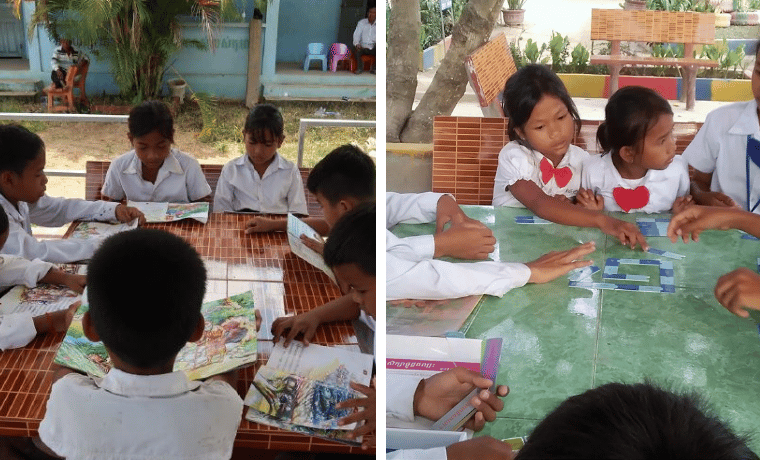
{"points": [[296, 228]]}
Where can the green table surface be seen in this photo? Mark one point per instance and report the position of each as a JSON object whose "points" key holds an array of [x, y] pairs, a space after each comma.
{"points": [[560, 341]]}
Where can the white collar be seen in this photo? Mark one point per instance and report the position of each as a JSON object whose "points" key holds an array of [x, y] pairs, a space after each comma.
{"points": [[747, 122], [278, 162], [13, 213], [152, 386], [171, 164]]}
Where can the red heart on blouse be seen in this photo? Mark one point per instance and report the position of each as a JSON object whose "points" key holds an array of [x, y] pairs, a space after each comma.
{"points": [[629, 199], [561, 176]]}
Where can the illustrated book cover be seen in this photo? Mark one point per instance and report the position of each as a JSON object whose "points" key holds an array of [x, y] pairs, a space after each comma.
{"points": [[169, 212]]}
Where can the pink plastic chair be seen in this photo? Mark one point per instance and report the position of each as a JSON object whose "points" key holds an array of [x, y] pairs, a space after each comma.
{"points": [[340, 52]]}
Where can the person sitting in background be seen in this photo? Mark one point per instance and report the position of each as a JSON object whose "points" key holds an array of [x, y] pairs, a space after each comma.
{"points": [[364, 39], [64, 57]]}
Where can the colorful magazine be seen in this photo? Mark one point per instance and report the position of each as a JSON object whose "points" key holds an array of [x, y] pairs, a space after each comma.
{"points": [[428, 318], [298, 389], [229, 342], [168, 212], [43, 298], [95, 230], [296, 228]]}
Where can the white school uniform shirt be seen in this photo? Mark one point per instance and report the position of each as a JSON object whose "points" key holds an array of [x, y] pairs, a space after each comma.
{"points": [[179, 180], [16, 330], [664, 186], [411, 271], [125, 416], [279, 191], [517, 162], [365, 33], [52, 212], [720, 148]]}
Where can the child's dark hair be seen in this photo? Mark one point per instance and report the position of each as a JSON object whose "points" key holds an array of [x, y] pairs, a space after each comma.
{"points": [[523, 91], [629, 114], [345, 172], [18, 147], [263, 119], [639, 421], [352, 240], [4, 224], [145, 288], [151, 116]]}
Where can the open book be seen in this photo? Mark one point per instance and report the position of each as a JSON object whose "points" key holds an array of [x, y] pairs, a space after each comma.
{"points": [[168, 212], [428, 318], [296, 228], [298, 389], [229, 342], [94, 230], [43, 298]]}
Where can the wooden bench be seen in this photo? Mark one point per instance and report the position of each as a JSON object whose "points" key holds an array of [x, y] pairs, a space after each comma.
{"points": [[95, 175], [488, 69], [466, 153], [685, 28]]}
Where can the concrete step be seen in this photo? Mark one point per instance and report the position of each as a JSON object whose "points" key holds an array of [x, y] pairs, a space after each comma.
{"points": [[19, 87]]}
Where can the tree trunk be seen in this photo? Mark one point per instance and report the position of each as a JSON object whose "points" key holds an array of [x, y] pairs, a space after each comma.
{"points": [[471, 31], [402, 65]]}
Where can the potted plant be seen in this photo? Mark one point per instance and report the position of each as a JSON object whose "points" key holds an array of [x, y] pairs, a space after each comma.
{"points": [[635, 5], [514, 15]]}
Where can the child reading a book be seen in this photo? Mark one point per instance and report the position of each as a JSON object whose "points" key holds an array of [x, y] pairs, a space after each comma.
{"points": [[640, 170], [340, 181], [153, 170], [739, 289], [413, 272], [18, 329], [22, 196], [540, 168], [634, 421], [143, 330], [261, 180]]}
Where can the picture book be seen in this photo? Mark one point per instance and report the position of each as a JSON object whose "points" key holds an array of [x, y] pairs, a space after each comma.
{"points": [[229, 341], [296, 228], [298, 389], [428, 318], [168, 212], [94, 230], [426, 356], [43, 298]]}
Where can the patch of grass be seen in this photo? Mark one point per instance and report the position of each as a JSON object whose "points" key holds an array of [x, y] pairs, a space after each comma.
{"points": [[23, 105]]}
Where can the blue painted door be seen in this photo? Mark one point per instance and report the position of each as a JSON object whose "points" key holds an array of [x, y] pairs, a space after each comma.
{"points": [[11, 33]]}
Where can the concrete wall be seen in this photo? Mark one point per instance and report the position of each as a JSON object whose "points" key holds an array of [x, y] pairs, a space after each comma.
{"points": [[303, 22]]}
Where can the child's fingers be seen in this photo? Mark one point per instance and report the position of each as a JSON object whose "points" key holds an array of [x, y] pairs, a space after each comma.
{"points": [[362, 388], [365, 429], [476, 423], [486, 411], [355, 417]]}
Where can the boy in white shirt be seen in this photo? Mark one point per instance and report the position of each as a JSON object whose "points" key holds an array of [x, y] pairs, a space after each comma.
{"points": [[141, 408], [261, 180], [153, 170], [22, 196]]}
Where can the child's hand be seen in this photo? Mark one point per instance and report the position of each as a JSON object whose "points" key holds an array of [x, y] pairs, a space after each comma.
{"points": [[467, 240], [482, 448], [628, 233], [75, 282], [314, 245], [126, 213], [716, 199], [555, 264], [694, 219], [448, 211], [590, 200], [305, 323], [681, 203], [437, 394], [264, 224], [738, 290], [367, 414], [57, 321]]}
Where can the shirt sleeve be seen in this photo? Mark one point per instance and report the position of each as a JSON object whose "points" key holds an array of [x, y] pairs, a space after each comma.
{"points": [[24, 245], [224, 193], [16, 330], [702, 152], [112, 186], [399, 396], [683, 176], [17, 270], [436, 453], [296, 195], [416, 208], [55, 212], [197, 186], [358, 33]]}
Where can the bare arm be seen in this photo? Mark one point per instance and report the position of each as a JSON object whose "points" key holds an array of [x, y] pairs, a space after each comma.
{"points": [[700, 191]]}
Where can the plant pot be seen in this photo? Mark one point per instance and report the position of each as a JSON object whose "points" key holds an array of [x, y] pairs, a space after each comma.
{"points": [[635, 5], [513, 17], [722, 19], [177, 88]]}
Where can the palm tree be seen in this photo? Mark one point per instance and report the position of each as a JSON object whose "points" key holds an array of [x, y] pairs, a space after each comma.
{"points": [[137, 37]]}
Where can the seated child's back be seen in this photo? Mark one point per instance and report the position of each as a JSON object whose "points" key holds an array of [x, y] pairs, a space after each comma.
{"points": [[153, 170], [261, 180], [145, 290]]}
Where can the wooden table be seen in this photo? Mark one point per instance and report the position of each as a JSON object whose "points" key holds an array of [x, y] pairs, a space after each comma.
{"points": [[236, 262]]}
